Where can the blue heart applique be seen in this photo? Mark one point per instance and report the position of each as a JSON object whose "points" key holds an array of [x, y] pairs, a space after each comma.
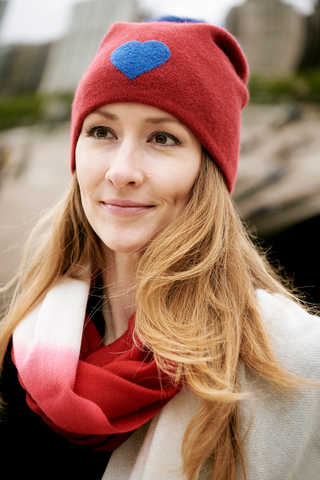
{"points": [[135, 58]]}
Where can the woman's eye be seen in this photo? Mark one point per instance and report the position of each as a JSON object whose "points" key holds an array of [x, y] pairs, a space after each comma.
{"points": [[164, 139], [100, 132]]}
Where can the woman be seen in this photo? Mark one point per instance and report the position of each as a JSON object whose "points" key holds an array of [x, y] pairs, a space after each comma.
{"points": [[149, 337]]}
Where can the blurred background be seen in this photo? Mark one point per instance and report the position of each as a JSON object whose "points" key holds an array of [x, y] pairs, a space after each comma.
{"points": [[45, 46]]}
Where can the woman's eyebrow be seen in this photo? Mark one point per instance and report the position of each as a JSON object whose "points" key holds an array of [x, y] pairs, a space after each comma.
{"points": [[156, 120], [109, 116]]}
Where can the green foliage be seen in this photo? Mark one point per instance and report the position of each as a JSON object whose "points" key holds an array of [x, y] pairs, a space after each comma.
{"points": [[30, 109], [20, 110], [304, 87]]}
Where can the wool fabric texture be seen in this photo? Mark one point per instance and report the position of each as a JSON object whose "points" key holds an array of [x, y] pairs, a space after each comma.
{"points": [[194, 71], [92, 394]]}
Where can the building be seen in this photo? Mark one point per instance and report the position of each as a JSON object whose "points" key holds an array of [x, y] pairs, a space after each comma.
{"points": [[21, 68], [69, 57], [272, 35], [3, 4], [311, 57]]}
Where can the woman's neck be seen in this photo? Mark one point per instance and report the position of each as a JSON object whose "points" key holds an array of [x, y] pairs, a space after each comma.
{"points": [[119, 281]]}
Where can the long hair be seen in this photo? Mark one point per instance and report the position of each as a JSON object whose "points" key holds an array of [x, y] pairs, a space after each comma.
{"points": [[196, 306]]}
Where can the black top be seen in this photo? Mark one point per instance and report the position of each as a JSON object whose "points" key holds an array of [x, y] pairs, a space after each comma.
{"points": [[29, 448]]}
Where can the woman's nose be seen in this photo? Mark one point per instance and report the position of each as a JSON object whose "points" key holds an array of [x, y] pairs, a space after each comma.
{"points": [[125, 168]]}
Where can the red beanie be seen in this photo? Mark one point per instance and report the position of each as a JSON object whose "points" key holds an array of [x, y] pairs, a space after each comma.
{"points": [[195, 71]]}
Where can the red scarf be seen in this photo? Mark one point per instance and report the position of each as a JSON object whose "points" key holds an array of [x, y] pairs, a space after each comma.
{"points": [[121, 379]]}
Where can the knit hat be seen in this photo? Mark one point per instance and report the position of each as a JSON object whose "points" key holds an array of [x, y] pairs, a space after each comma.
{"points": [[194, 71]]}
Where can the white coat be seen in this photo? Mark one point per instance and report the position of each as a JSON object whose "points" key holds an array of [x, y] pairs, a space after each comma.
{"points": [[283, 442]]}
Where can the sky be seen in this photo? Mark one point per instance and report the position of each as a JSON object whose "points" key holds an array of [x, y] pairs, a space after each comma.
{"points": [[39, 21]]}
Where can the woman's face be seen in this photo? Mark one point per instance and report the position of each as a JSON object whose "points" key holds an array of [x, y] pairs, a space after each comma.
{"points": [[135, 165]]}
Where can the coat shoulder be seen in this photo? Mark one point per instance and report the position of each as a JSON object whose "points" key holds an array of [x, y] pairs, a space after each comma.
{"points": [[295, 332]]}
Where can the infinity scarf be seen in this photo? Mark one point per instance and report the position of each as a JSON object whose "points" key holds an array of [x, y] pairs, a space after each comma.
{"points": [[90, 393]]}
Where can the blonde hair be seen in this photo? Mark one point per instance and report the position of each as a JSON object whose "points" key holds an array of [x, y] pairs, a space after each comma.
{"points": [[196, 306]]}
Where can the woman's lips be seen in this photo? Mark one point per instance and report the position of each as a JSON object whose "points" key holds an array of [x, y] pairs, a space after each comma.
{"points": [[125, 208]]}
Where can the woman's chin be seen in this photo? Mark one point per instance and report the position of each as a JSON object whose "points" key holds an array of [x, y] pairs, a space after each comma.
{"points": [[125, 247]]}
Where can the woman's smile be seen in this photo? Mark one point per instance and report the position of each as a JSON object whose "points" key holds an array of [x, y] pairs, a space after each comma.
{"points": [[136, 166], [125, 207]]}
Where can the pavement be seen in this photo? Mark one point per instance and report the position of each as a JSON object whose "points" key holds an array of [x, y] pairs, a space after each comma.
{"points": [[34, 172]]}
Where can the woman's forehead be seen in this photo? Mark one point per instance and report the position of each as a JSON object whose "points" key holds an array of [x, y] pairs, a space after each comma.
{"points": [[114, 111]]}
